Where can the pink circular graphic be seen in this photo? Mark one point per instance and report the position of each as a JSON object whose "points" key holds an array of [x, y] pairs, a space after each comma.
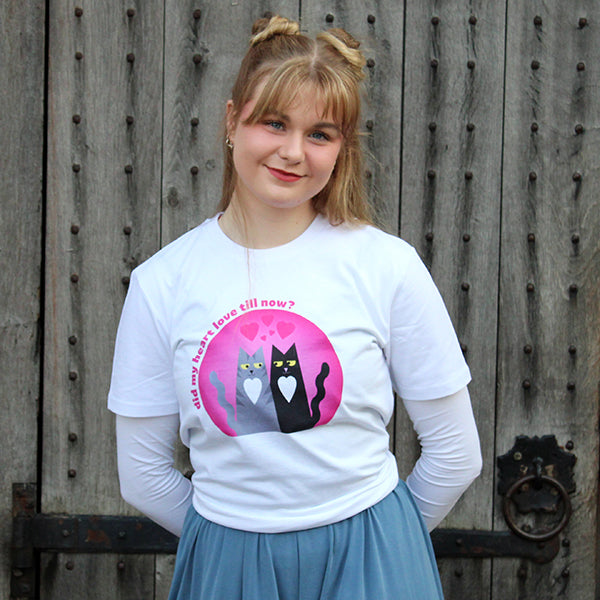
{"points": [[265, 335]]}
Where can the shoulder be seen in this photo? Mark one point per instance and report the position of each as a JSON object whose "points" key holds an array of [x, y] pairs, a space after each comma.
{"points": [[364, 234], [373, 248], [165, 268], [162, 281]]}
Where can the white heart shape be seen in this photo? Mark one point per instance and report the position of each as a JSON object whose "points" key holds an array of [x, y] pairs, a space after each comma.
{"points": [[253, 388], [287, 385]]}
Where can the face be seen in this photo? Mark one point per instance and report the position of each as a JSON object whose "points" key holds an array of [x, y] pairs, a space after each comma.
{"points": [[284, 159]]}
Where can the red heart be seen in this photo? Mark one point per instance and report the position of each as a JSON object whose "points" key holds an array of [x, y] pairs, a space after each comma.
{"points": [[285, 328], [250, 330]]}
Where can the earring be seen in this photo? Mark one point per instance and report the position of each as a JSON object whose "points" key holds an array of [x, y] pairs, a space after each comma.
{"points": [[228, 142]]}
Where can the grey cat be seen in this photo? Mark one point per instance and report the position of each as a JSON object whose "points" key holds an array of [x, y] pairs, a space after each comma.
{"points": [[254, 400]]}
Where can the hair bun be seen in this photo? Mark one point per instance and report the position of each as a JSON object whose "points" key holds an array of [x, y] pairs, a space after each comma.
{"points": [[344, 36], [346, 45], [265, 29]]}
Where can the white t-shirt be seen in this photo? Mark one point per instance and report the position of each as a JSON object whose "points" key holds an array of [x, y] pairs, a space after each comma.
{"points": [[282, 364]]}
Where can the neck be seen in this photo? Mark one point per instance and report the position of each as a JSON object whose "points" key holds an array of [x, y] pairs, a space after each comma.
{"points": [[266, 227]]}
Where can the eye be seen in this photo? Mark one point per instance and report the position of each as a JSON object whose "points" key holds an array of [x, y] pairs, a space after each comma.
{"points": [[320, 136], [276, 125], [258, 365], [245, 366], [278, 363], [291, 363]]}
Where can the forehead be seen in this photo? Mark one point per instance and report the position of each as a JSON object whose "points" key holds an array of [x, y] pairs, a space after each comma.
{"points": [[308, 99], [306, 102]]}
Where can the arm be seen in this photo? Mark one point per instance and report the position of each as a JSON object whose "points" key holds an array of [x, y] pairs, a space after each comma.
{"points": [[450, 454], [148, 479]]}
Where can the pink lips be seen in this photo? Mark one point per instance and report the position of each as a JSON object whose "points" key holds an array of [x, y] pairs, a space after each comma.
{"points": [[284, 175]]}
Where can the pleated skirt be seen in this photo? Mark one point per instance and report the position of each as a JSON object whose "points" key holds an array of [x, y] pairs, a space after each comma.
{"points": [[382, 553]]}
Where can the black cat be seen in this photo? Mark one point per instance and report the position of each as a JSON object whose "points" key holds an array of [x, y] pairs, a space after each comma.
{"points": [[289, 393]]}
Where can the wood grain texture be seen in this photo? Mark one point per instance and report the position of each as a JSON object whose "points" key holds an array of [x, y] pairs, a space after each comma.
{"points": [[218, 37], [553, 95], [88, 248], [21, 158], [97, 576], [164, 567], [450, 211], [379, 27]]}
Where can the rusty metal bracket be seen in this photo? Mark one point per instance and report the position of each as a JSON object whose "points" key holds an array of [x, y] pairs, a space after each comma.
{"points": [[462, 543], [100, 533]]}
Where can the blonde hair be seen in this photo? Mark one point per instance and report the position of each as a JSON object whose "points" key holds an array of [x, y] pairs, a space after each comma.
{"points": [[289, 61]]}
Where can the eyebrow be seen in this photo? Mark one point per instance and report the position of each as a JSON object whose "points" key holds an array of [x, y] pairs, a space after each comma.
{"points": [[319, 125], [326, 125]]}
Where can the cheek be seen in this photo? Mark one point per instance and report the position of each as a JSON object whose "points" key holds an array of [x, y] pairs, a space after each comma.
{"points": [[258, 144], [248, 149], [327, 159]]}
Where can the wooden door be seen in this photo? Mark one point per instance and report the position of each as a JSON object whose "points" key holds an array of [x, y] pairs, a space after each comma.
{"points": [[481, 125]]}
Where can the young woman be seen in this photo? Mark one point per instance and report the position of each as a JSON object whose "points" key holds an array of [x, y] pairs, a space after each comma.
{"points": [[272, 337]]}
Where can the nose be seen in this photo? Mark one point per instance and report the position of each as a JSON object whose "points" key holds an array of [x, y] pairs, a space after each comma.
{"points": [[292, 148]]}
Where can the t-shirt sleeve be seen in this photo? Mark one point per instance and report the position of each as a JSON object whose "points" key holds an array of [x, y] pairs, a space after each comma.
{"points": [[142, 382], [424, 354]]}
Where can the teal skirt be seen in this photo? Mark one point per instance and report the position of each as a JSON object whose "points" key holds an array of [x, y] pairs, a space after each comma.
{"points": [[382, 553]]}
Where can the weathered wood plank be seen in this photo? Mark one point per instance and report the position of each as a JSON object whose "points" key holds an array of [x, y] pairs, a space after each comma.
{"points": [[21, 164], [215, 35], [165, 564], [379, 28], [101, 222], [450, 211], [544, 148], [97, 576]]}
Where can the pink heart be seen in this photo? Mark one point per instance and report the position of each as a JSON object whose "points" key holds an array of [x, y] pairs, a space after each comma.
{"points": [[263, 337], [271, 331], [250, 330], [285, 328], [267, 319]]}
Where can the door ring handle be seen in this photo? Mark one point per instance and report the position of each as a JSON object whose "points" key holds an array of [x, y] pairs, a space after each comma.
{"points": [[537, 537]]}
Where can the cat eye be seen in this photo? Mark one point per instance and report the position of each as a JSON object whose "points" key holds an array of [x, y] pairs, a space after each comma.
{"points": [[258, 365], [278, 363], [245, 366], [291, 363]]}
